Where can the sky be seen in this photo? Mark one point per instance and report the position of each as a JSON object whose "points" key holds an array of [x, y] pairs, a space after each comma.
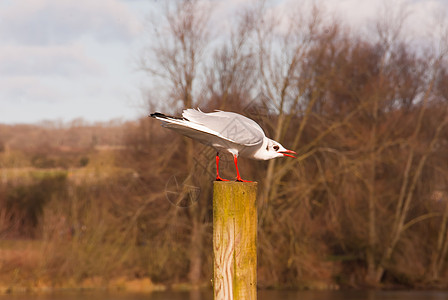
{"points": [[62, 60]]}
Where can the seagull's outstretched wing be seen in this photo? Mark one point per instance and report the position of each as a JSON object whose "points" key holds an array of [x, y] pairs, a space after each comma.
{"points": [[211, 128]]}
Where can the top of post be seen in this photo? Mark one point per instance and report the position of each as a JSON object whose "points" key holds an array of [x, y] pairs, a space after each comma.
{"points": [[232, 183]]}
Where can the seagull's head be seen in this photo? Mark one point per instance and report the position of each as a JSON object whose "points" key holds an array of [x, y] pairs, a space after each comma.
{"points": [[274, 149]]}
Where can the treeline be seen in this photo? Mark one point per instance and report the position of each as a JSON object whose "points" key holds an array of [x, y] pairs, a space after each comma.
{"points": [[56, 144], [75, 135], [365, 204]]}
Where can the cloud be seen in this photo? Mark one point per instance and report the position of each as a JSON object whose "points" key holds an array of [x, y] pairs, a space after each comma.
{"points": [[67, 58], [24, 89], [66, 61], [46, 22], [427, 18], [423, 16]]}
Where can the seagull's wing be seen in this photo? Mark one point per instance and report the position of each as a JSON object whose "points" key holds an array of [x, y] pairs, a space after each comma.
{"points": [[231, 126], [194, 130]]}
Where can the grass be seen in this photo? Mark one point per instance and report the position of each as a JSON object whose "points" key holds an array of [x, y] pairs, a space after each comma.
{"points": [[25, 267]]}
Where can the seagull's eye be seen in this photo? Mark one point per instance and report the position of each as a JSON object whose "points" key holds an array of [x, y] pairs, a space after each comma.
{"points": [[276, 148]]}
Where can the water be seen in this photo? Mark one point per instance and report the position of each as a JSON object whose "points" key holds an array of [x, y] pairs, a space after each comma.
{"points": [[262, 295]]}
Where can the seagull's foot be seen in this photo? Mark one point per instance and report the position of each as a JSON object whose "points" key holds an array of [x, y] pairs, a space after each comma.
{"points": [[221, 179], [242, 180]]}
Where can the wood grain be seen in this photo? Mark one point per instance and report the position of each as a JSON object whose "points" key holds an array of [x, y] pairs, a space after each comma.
{"points": [[235, 240]]}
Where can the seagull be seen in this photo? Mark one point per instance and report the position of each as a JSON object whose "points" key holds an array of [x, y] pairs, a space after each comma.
{"points": [[225, 132]]}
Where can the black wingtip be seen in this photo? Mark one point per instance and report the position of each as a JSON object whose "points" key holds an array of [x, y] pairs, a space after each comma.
{"points": [[157, 115], [162, 116]]}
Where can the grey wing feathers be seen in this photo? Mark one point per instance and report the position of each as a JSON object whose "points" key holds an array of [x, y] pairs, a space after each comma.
{"points": [[232, 126]]}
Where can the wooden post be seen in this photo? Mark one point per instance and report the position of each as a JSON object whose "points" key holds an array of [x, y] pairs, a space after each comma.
{"points": [[235, 240]]}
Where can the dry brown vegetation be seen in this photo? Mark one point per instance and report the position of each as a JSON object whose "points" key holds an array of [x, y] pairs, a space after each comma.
{"points": [[365, 204]]}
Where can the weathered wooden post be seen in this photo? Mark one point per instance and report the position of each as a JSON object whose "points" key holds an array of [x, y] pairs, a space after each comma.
{"points": [[235, 240]]}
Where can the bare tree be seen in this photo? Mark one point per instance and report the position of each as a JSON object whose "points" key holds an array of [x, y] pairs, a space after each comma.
{"points": [[232, 77], [176, 58]]}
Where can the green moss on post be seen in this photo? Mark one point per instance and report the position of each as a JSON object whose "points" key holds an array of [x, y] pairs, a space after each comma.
{"points": [[235, 240]]}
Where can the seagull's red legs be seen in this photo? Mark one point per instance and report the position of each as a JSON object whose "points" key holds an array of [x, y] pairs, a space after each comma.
{"points": [[238, 177], [218, 178]]}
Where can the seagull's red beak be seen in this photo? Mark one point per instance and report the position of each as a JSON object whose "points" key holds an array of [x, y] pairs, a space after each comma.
{"points": [[285, 153]]}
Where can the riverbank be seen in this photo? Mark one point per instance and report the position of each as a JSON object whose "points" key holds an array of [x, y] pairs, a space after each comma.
{"points": [[140, 285]]}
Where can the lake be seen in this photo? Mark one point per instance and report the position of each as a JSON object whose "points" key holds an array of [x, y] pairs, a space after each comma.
{"points": [[262, 295]]}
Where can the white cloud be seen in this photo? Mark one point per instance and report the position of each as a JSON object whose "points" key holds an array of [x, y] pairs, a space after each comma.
{"points": [[45, 22], [66, 61], [426, 17], [67, 58], [362, 15], [20, 90]]}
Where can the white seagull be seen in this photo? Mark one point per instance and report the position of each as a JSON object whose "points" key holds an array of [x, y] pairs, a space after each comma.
{"points": [[226, 131]]}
